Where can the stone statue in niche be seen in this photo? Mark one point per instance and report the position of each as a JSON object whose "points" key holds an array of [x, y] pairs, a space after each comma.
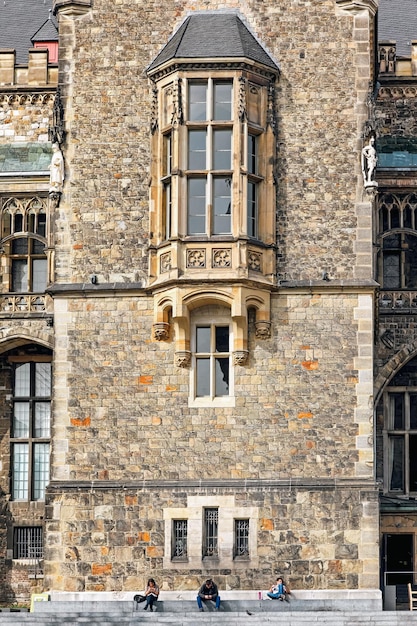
{"points": [[369, 161], [56, 170]]}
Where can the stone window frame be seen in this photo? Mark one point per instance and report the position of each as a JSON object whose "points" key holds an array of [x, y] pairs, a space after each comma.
{"points": [[184, 538], [30, 440], [171, 166], [193, 512], [28, 543], [214, 316], [390, 432], [20, 219]]}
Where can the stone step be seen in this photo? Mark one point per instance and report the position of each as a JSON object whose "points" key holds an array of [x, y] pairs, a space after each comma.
{"points": [[195, 618]]}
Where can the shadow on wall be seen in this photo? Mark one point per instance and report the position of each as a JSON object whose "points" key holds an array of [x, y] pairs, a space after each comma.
{"points": [[6, 592]]}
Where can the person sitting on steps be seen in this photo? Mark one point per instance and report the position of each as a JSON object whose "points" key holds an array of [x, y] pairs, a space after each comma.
{"points": [[151, 594], [208, 591], [279, 591]]}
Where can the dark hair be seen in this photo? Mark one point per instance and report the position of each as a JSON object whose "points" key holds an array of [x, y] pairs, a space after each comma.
{"points": [[209, 581], [151, 580]]}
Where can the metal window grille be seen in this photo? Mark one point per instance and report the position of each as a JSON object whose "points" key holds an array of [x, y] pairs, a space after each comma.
{"points": [[241, 537], [180, 528], [28, 542], [211, 532]]}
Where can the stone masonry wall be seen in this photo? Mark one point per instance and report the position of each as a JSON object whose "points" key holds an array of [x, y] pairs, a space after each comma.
{"points": [[110, 540], [295, 399], [107, 100], [25, 118]]}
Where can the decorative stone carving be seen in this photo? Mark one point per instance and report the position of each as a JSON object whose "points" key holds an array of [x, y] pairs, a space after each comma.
{"points": [[240, 357], [369, 161], [161, 331], [165, 263], [154, 111], [242, 99], [271, 113], [56, 132], [222, 257], [196, 258], [254, 261], [183, 358], [56, 169], [263, 329], [388, 339]]}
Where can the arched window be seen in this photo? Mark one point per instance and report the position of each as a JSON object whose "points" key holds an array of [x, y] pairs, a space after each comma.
{"points": [[23, 243]]}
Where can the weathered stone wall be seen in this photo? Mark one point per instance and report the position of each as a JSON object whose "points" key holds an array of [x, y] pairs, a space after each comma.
{"points": [[325, 69], [26, 117], [396, 110], [295, 399], [121, 410], [316, 538]]}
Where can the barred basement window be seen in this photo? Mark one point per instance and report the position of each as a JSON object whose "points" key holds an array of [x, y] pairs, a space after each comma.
{"points": [[211, 532], [241, 538], [28, 542], [179, 539]]}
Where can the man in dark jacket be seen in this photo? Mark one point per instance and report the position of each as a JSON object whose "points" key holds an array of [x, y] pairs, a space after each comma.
{"points": [[208, 591]]}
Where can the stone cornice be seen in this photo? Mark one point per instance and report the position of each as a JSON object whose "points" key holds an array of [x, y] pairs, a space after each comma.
{"points": [[332, 484], [356, 6], [83, 290], [72, 8]]}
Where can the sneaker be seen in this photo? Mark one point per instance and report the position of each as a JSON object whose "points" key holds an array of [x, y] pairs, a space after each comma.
{"points": [[201, 610], [151, 608], [145, 607]]}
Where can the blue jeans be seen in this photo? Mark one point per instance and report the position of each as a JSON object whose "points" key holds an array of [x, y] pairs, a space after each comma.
{"points": [[276, 596], [150, 599], [200, 602]]}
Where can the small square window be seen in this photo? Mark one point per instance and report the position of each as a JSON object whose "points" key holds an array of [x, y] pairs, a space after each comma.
{"points": [[28, 542]]}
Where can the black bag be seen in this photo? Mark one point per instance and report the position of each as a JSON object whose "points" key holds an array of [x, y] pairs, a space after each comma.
{"points": [[139, 598]]}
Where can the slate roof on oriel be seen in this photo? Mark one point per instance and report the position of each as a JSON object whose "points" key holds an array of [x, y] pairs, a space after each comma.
{"points": [[213, 35]]}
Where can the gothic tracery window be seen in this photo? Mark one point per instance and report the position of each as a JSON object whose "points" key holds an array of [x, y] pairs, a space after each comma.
{"points": [[23, 243]]}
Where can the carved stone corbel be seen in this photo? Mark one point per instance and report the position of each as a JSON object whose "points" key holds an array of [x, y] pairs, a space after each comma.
{"points": [[263, 329], [161, 331], [240, 357], [183, 358]]}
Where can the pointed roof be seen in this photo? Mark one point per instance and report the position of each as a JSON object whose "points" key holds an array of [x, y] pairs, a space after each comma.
{"points": [[47, 32], [20, 20], [213, 35]]}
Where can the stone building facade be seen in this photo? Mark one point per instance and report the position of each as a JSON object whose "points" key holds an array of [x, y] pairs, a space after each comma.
{"points": [[394, 120], [206, 340]]}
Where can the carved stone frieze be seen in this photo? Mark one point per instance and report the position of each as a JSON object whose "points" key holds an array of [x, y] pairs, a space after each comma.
{"points": [[397, 91], [222, 257], [196, 257], [27, 98], [183, 358]]}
